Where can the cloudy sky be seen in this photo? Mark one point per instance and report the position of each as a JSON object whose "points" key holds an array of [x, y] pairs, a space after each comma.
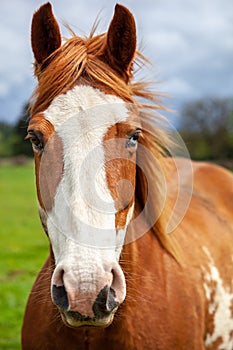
{"points": [[189, 42]]}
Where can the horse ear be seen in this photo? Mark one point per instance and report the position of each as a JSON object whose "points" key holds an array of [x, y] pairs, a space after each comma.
{"points": [[121, 42], [45, 33]]}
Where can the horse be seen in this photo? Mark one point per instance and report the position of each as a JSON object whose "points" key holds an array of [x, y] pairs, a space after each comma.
{"points": [[141, 242]]}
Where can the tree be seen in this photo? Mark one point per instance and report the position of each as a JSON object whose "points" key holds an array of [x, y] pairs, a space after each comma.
{"points": [[12, 137], [20, 146], [6, 132], [207, 128]]}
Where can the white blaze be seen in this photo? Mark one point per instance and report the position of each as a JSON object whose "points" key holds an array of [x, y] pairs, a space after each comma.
{"points": [[83, 210]]}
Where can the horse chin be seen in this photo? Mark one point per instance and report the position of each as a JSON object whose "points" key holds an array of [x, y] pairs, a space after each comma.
{"points": [[75, 320]]}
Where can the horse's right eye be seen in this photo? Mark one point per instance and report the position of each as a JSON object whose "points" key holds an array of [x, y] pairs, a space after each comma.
{"points": [[36, 140]]}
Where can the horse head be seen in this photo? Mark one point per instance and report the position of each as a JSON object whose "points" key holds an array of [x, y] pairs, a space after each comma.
{"points": [[84, 131]]}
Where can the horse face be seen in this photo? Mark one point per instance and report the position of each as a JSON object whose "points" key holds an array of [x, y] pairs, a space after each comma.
{"points": [[85, 150], [85, 142]]}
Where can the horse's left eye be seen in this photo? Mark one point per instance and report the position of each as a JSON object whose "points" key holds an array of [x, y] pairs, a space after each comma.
{"points": [[133, 139]]}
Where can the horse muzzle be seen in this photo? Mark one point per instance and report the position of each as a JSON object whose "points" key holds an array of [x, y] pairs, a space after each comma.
{"points": [[88, 295], [103, 308]]}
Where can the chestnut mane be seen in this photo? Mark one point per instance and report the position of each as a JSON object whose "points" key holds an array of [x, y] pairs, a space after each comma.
{"points": [[80, 59]]}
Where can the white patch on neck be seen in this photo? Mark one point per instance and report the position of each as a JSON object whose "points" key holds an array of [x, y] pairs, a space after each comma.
{"points": [[219, 307], [83, 209]]}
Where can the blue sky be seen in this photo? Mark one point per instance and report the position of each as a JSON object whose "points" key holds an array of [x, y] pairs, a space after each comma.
{"points": [[189, 42]]}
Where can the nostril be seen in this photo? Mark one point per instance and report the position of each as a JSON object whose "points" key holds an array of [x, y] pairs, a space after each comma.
{"points": [[111, 301], [101, 301], [105, 302], [59, 294], [60, 297]]}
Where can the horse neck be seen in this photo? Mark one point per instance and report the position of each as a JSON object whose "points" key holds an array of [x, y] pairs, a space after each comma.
{"points": [[144, 254]]}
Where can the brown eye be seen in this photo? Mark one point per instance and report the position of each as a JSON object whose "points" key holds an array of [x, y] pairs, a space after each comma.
{"points": [[36, 140]]}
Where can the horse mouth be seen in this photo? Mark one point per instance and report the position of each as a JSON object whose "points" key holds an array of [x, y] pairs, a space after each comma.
{"points": [[75, 320]]}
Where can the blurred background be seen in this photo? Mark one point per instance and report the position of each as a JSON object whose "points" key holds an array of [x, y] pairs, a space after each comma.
{"points": [[190, 46]]}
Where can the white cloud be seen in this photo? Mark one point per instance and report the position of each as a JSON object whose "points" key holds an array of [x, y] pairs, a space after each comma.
{"points": [[180, 88]]}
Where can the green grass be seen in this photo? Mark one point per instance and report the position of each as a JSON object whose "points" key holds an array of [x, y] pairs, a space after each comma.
{"points": [[23, 248]]}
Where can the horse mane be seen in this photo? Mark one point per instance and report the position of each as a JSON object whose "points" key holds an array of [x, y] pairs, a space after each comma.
{"points": [[80, 58]]}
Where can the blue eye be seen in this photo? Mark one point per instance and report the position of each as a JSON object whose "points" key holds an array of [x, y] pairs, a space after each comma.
{"points": [[132, 140]]}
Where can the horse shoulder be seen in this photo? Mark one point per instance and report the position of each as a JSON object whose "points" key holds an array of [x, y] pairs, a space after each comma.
{"points": [[205, 235]]}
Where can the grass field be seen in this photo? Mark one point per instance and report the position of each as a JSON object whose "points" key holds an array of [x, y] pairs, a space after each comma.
{"points": [[23, 248]]}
